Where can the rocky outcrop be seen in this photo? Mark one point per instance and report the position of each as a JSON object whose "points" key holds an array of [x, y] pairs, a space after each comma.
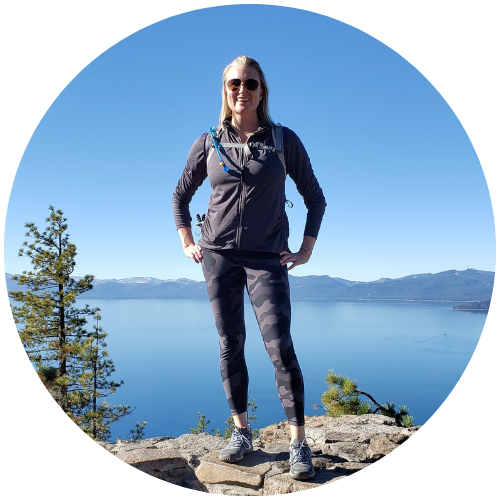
{"points": [[340, 446]]}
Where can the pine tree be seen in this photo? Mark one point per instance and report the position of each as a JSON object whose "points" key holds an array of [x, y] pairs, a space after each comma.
{"points": [[343, 398], [95, 414], [71, 362], [251, 417], [203, 423]]}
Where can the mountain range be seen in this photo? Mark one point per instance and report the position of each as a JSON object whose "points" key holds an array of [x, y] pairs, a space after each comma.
{"points": [[452, 285]]}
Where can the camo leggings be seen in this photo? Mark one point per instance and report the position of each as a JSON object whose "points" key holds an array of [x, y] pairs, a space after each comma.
{"points": [[227, 272]]}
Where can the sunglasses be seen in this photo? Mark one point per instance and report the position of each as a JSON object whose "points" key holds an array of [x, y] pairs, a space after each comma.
{"points": [[235, 84]]}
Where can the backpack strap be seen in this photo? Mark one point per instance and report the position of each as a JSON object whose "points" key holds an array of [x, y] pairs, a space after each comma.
{"points": [[209, 144], [277, 132]]}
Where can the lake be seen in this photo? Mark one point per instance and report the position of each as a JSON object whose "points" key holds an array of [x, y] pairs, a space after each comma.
{"points": [[167, 353]]}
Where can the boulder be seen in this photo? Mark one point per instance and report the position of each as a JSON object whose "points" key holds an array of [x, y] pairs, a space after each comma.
{"points": [[251, 473], [340, 447]]}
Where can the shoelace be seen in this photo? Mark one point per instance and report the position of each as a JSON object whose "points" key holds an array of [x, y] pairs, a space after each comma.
{"points": [[302, 450], [237, 438]]}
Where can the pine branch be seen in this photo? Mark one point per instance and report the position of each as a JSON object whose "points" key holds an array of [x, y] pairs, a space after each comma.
{"points": [[371, 399]]}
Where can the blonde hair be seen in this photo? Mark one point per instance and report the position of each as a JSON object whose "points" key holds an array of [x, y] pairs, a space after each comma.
{"points": [[263, 108]]}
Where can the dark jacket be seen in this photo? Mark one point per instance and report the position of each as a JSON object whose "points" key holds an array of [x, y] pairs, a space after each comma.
{"points": [[246, 210]]}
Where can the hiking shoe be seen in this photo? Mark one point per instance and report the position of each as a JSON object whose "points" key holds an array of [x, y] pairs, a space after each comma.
{"points": [[301, 467], [239, 445]]}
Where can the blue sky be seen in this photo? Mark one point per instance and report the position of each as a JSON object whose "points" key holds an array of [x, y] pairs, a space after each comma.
{"points": [[405, 191]]}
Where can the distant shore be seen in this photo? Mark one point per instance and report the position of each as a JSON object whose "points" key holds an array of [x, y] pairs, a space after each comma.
{"points": [[475, 305], [393, 300], [462, 287]]}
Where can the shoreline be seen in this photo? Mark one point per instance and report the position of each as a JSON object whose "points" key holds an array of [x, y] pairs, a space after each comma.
{"points": [[292, 298]]}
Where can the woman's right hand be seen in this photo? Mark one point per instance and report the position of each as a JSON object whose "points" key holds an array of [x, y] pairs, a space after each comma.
{"points": [[193, 251]]}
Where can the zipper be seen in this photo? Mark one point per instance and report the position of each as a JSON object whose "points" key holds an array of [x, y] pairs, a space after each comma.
{"points": [[242, 195], [242, 191], [242, 203]]}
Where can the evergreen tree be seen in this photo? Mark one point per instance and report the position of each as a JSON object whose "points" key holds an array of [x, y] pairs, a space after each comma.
{"points": [[71, 362], [94, 414], [251, 417], [343, 398], [203, 423]]}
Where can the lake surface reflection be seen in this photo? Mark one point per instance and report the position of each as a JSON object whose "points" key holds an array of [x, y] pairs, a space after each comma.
{"points": [[167, 353]]}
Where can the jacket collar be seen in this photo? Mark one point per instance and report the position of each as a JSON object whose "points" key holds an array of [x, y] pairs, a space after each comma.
{"points": [[262, 126]]}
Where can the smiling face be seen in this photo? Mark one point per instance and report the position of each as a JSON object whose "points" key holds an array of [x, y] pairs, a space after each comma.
{"points": [[243, 102]]}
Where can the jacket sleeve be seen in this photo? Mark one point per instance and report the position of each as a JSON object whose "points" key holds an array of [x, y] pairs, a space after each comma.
{"points": [[195, 172], [300, 170]]}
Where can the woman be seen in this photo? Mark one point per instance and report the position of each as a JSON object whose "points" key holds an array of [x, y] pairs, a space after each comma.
{"points": [[244, 244]]}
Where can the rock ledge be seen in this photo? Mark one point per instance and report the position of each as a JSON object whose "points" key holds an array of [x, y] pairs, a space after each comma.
{"points": [[342, 446]]}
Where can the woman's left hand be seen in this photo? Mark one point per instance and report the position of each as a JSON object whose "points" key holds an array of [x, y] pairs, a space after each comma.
{"points": [[296, 259]]}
